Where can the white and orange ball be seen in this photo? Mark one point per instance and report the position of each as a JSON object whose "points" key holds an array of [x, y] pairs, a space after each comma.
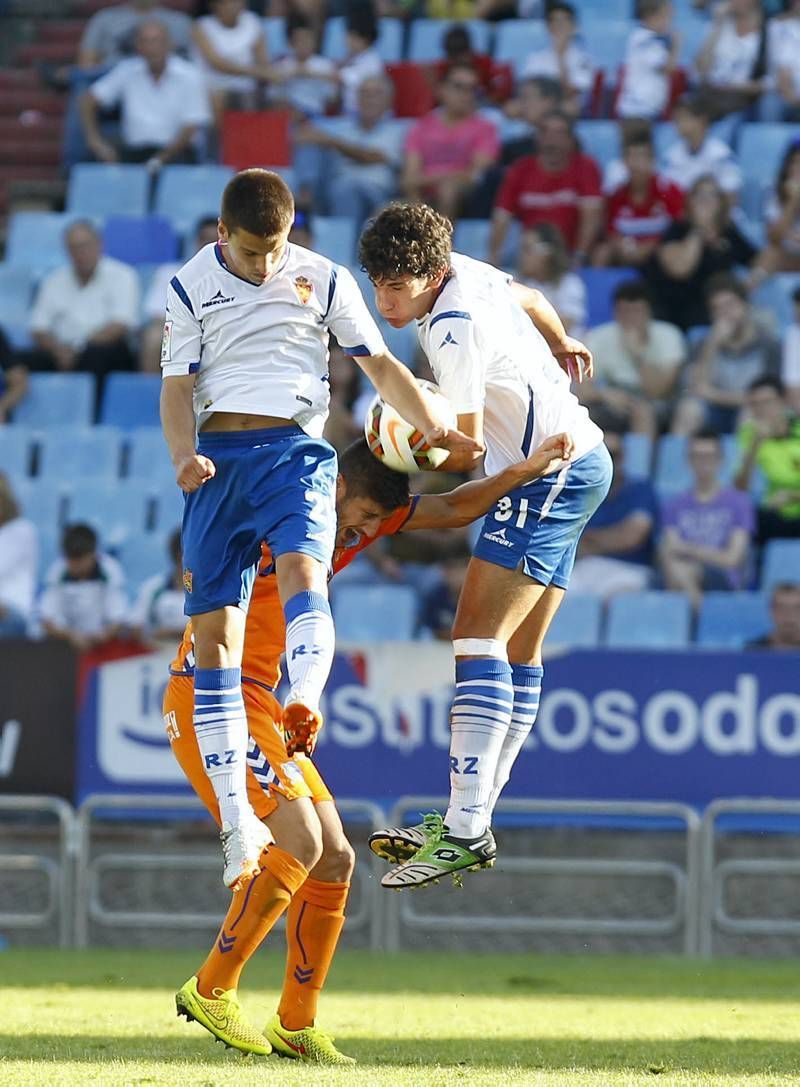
{"points": [[399, 444]]}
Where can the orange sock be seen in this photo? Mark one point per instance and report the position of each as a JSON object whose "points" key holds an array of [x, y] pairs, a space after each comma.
{"points": [[252, 913], [313, 925]]}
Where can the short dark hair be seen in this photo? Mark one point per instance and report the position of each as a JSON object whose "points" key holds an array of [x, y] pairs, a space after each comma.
{"points": [[258, 201], [796, 294], [561, 5], [547, 87], [636, 132], [767, 381], [367, 477], [647, 8], [727, 283], [405, 240], [296, 20], [706, 434], [456, 39], [78, 540], [631, 290], [784, 587], [362, 20], [695, 103]]}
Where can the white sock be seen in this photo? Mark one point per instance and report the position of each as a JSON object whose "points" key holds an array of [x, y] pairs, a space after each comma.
{"points": [[479, 721], [527, 679], [220, 724], [310, 641]]}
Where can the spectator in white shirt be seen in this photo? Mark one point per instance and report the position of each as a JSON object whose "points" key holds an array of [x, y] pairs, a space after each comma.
{"points": [[158, 611], [651, 55], [110, 34], [163, 104], [782, 102], [732, 61], [544, 263], [565, 60], [85, 311], [19, 558], [231, 51], [304, 81], [363, 59], [84, 600], [155, 300], [697, 153]]}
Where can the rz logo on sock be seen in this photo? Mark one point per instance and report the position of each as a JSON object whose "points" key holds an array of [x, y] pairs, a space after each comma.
{"points": [[469, 767], [304, 651], [213, 760]]}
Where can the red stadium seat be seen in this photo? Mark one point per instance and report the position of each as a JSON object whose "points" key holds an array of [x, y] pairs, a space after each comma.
{"points": [[413, 93], [256, 138]]}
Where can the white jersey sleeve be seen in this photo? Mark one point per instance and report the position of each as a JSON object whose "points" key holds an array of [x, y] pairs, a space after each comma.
{"points": [[181, 342], [349, 319], [456, 360]]}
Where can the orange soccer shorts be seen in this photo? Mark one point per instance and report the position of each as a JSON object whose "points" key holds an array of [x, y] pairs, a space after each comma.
{"points": [[270, 771]]}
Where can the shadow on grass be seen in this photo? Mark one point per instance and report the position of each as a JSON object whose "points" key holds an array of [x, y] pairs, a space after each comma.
{"points": [[747, 1056]]}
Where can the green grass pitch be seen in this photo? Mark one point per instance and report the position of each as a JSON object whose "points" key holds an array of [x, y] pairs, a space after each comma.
{"points": [[106, 1019]]}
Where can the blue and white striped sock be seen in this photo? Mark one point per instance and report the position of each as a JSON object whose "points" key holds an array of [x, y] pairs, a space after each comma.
{"points": [[479, 721], [310, 641], [220, 724], [527, 679]]}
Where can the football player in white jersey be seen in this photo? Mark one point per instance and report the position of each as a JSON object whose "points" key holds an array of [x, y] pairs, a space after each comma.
{"points": [[498, 351], [244, 401]]}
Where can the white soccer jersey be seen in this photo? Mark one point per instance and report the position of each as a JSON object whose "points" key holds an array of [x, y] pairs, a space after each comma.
{"points": [[485, 353], [263, 349]]}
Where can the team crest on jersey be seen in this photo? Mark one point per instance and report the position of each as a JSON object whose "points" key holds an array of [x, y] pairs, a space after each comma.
{"points": [[304, 288], [187, 580]]}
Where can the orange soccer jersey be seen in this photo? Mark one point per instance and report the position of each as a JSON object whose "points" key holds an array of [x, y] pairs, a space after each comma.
{"points": [[270, 768]]}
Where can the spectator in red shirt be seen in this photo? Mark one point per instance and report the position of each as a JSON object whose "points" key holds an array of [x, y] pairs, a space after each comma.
{"points": [[448, 151], [457, 49], [639, 211], [559, 185]]}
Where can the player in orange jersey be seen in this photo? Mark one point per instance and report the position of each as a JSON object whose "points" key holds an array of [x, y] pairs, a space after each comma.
{"points": [[308, 868]]}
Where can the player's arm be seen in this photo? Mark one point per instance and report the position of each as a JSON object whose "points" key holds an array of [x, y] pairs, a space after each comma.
{"points": [[472, 500], [573, 357], [178, 424]]}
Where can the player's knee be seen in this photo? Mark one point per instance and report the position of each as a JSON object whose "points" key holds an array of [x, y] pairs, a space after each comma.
{"points": [[338, 859], [305, 842]]}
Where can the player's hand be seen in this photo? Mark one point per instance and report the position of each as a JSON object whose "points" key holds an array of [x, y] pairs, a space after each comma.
{"points": [[575, 359], [193, 471], [551, 456], [443, 438]]}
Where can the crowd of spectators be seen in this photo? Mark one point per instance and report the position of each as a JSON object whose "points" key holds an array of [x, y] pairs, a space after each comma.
{"points": [[687, 351]]}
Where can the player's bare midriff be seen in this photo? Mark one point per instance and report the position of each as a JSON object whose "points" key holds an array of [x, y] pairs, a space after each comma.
{"points": [[234, 420]]}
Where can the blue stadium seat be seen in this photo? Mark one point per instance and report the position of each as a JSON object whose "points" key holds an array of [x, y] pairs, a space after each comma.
{"points": [[612, 9], [147, 239], [402, 342], [142, 557], [375, 613], [16, 292], [42, 502], [73, 454], [577, 622], [389, 43], [168, 503], [116, 510], [131, 400], [600, 139], [517, 39], [16, 444], [35, 240], [275, 33], [600, 285], [775, 295], [693, 29], [187, 194], [471, 236], [638, 455], [781, 562], [425, 42], [57, 400], [148, 458], [731, 620], [335, 238], [761, 148], [49, 550], [605, 40], [99, 189], [648, 621]]}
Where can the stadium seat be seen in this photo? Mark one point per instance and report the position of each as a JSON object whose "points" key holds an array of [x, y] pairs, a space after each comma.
{"points": [[413, 93], [425, 41], [335, 237], [148, 458], [168, 510], [100, 189], [389, 43], [600, 285], [142, 557], [761, 148], [42, 501], [638, 455], [577, 622], [648, 620], [275, 33], [16, 292], [775, 295], [693, 30], [35, 240], [131, 400], [375, 613], [402, 342], [49, 550], [517, 39], [731, 620], [600, 139], [16, 446], [187, 194], [73, 454], [781, 562], [256, 138], [605, 39], [116, 510], [147, 239], [471, 236], [57, 400]]}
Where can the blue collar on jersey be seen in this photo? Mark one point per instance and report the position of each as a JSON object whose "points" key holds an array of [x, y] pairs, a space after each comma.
{"points": [[222, 264]]}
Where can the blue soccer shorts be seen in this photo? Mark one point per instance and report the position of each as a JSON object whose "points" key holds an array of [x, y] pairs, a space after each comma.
{"points": [[275, 484], [536, 528]]}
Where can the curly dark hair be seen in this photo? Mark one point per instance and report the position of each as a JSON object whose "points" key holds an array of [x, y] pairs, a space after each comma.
{"points": [[405, 240]]}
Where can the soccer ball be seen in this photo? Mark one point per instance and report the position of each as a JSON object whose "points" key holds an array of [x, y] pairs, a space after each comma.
{"points": [[400, 445]]}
